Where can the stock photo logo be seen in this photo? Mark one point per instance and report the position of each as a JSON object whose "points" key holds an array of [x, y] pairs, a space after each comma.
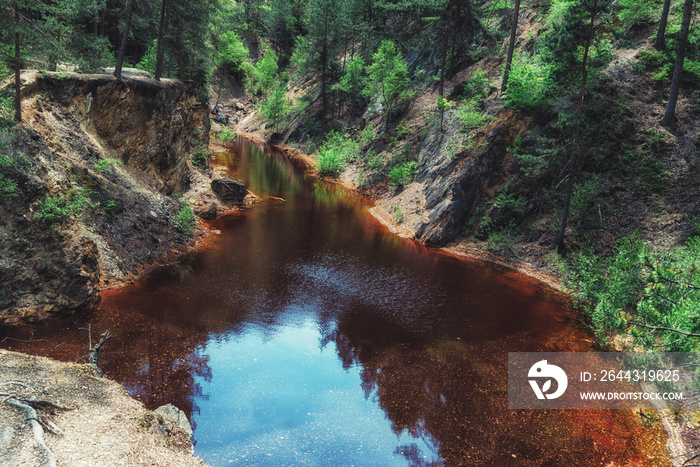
{"points": [[543, 374]]}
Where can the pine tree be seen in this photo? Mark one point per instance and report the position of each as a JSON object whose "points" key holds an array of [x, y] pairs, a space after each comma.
{"points": [[511, 45], [125, 35], [660, 42], [670, 113]]}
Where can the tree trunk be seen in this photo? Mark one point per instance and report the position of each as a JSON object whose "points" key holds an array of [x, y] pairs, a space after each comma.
{"points": [[125, 36], [324, 60], [159, 44], [102, 22], [670, 113], [575, 162], [660, 42], [511, 45], [18, 83], [444, 50]]}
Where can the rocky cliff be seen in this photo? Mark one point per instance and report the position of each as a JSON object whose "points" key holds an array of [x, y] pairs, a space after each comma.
{"points": [[97, 185]]}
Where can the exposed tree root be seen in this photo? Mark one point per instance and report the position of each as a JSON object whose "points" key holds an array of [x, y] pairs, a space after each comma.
{"points": [[48, 459]]}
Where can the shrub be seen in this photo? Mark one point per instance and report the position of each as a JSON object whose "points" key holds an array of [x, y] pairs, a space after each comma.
{"points": [[476, 87], [55, 209], [530, 84], [232, 52], [640, 285], [388, 76], [470, 117], [275, 107], [651, 58], [106, 164], [184, 220], [109, 206], [336, 152], [8, 187], [402, 173], [636, 12], [227, 136], [201, 155]]}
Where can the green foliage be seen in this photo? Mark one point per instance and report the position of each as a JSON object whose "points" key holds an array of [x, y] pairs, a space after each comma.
{"points": [[336, 152], [233, 54], [368, 135], [470, 116], [645, 173], [636, 12], [397, 212], [275, 107], [443, 104], [353, 82], [388, 76], [53, 210], [476, 87], [505, 210], [402, 174], [640, 286], [265, 72], [501, 241], [652, 58], [227, 136], [109, 207], [201, 155], [106, 165], [8, 187], [184, 220], [530, 84], [586, 201], [6, 112]]}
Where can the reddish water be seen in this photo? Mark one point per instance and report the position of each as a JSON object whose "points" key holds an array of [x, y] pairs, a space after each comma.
{"points": [[306, 334]]}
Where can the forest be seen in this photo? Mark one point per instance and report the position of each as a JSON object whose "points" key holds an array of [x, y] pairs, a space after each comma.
{"points": [[319, 70], [219, 189]]}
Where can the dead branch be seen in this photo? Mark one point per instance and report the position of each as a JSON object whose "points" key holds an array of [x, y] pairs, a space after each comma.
{"points": [[94, 358]]}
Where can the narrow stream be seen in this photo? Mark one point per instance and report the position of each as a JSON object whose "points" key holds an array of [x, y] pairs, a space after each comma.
{"points": [[306, 334]]}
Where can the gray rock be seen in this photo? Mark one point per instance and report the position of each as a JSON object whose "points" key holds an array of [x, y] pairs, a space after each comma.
{"points": [[172, 414], [229, 190]]}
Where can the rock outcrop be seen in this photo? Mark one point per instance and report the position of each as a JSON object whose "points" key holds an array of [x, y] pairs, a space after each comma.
{"points": [[101, 166]]}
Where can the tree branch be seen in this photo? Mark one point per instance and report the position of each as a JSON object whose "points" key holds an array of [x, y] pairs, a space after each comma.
{"points": [[662, 328]]}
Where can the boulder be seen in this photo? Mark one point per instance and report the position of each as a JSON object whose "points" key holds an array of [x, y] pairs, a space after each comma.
{"points": [[206, 211], [229, 190]]}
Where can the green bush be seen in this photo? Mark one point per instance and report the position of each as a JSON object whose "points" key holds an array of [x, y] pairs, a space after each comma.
{"points": [[470, 116], [476, 87], [402, 174], [55, 209], [264, 74], [184, 220], [275, 108], [201, 155], [652, 58], [336, 152], [530, 84], [8, 187], [106, 164], [227, 136], [636, 12], [638, 290], [233, 54]]}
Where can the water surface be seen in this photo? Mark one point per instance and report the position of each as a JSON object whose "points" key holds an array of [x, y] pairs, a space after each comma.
{"points": [[306, 334]]}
